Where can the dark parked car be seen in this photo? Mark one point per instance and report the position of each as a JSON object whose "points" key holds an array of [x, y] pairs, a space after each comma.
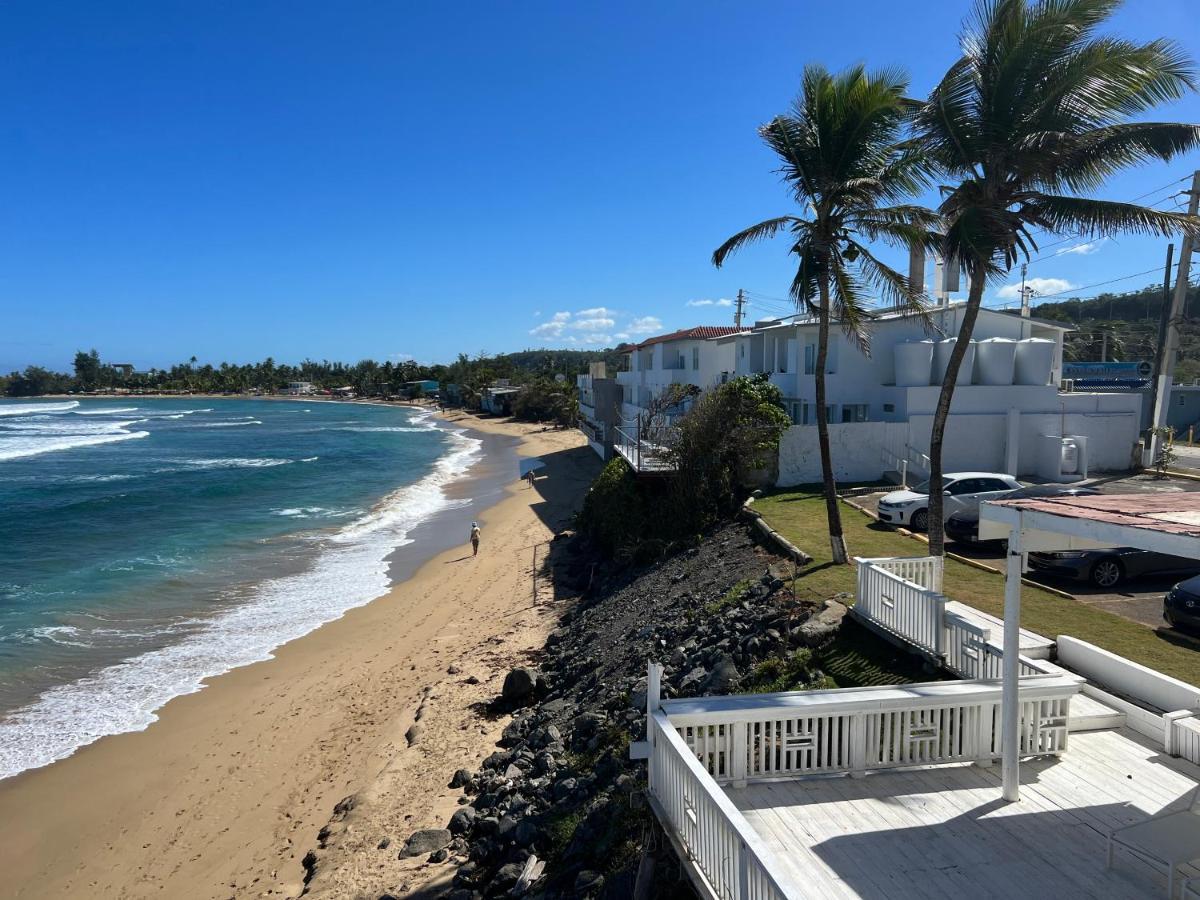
{"points": [[963, 526], [1109, 568], [1181, 606]]}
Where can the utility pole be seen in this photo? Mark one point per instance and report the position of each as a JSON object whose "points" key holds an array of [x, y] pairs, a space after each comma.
{"points": [[741, 305], [1168, 332]]}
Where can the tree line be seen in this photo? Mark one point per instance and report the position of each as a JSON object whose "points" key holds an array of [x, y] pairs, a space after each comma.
{"points": [[366, 377]]}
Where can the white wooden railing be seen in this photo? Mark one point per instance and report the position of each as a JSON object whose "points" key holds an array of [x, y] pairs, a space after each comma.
{"points": [[723, 848], [897, 595], [901, 605], [924, 571], [763, 737]]}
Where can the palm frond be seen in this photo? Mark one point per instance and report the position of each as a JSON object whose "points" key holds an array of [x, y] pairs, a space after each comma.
{"points": [[1097, 218], [759, 232]]}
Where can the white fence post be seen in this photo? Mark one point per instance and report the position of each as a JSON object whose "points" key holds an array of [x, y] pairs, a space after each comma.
{"points": [[737, 768], [858, 746]]}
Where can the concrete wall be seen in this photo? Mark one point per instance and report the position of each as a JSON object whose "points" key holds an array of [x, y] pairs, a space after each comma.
{"points": [[857, 451], [973, 443], [1127, 678]]}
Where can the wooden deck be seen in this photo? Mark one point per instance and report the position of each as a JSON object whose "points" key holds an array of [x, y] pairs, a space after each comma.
{"points": [[944, 832]]}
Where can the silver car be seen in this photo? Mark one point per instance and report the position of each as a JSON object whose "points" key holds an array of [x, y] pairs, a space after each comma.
{"points": [[964, 491]]}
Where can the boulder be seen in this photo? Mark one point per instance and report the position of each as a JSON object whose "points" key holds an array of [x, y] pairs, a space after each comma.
{"points": [[422, 843], [462, 820], [723, 678], [519, 685]]}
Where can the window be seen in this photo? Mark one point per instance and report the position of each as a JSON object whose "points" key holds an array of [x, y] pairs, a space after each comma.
{"points": [[963, 486], [1182, 400], [797, 412], [831, 413], [695, 358], [742, 351], [993, 484], [810, 359], [854, 412], [889, 407]]}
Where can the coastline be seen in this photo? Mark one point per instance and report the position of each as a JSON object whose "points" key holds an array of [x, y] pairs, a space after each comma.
{"points": [[226, 793]]}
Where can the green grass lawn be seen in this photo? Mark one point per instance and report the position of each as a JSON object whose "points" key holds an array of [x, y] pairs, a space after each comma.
{"points": [[800, 516]]}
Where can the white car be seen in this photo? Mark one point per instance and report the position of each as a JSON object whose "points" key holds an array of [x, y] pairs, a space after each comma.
{"points": [[964, 491]]}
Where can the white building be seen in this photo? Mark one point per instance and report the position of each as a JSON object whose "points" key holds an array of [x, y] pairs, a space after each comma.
{"points": [[298, 387], [1009, 413], [688, 356]]}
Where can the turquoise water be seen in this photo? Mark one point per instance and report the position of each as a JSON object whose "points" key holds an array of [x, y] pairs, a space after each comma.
{"points": [[148, 544]]}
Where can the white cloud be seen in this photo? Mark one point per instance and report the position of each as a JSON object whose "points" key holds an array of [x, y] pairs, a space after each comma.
{"points": [[1085, 249], [724, 301], [593, 324], [1039, 285], [645, 325], [537, 313], [554, 327], [400, 357]]}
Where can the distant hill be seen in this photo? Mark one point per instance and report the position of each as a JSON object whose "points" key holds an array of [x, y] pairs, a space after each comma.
{"points": [[1130, 322]]}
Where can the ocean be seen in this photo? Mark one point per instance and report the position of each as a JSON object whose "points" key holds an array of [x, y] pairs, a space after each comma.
{"points": [[148, 544]]}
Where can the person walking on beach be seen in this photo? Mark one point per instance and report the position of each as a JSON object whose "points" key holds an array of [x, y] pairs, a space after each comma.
{"points": [[475, 538]]}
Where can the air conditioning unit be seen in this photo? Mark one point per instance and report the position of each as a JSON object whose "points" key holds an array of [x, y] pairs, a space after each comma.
{"points": [[1067, 386]]}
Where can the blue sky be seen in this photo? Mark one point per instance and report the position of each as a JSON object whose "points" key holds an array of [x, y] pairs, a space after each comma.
{"points": [[233, 180]]}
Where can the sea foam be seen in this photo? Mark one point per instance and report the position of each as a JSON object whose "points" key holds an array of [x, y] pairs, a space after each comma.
{"points": [[350, 569], [32, 409]]}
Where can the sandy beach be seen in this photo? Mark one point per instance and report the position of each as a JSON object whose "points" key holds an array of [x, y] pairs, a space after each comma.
{"points": [[227, 792]]}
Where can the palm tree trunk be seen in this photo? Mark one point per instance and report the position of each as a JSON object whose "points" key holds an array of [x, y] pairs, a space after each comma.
{"points": [[837, 541], [937, 533]]}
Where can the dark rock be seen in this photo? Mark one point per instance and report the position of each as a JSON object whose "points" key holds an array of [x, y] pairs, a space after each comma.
{"points": [[723, 678], [438, 856], [519, 685], [427, 841], [413, 735], [462, 779], [384, 844], [462, 820]]}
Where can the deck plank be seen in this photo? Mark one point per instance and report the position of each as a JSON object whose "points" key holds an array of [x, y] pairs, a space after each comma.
{"points": [[944, 832]]}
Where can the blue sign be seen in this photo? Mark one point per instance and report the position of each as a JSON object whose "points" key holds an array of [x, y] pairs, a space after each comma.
{"points": [[1102, 371]]}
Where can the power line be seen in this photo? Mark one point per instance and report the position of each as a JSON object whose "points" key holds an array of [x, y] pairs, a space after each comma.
{"points": [[1072, 296]]}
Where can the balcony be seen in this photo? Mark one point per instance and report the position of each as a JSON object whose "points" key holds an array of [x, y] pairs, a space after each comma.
{"points": [[892, 791], [649, 451]]}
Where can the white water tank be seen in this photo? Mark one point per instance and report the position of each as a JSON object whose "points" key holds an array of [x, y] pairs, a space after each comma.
{"points": [[1070, 456], [996, 359], [1035, 360], [914, 359], [941, 359]]}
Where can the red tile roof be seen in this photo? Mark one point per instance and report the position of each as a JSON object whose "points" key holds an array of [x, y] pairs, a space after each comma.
{"points": [[1174, 513], [698, 333]]}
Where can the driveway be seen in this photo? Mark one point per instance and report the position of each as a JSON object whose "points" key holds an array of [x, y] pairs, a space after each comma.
{"points": [[1139, 600]]}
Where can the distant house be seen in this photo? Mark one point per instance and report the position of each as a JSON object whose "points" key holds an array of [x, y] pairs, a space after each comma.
{"points": [[599, 408], [345, 392], [423, 387], [498, 399], [298, 387], [123, 369], [451, 394]]}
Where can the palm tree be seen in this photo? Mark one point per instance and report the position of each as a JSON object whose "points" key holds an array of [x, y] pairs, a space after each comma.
{"points": [[843, 164], [1036, 110]]}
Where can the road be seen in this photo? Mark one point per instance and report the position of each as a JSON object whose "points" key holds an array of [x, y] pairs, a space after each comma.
{"points": [[1140, 600]]}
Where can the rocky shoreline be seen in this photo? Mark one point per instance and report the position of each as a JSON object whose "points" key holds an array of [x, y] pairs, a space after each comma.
{"points": [[559, 810]]}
